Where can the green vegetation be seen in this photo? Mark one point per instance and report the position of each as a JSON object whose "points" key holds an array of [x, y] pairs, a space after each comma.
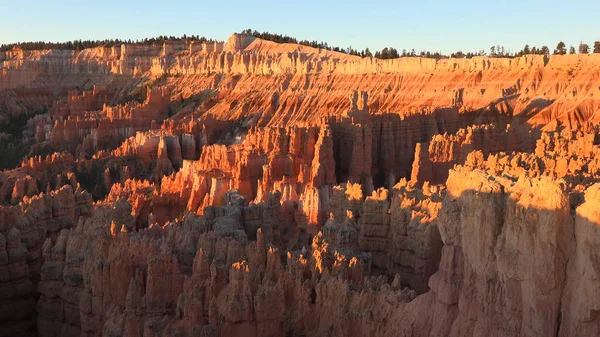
{"points": [[392, 53], [83, 44], [385, 53], [583, 48], [561, 48]]}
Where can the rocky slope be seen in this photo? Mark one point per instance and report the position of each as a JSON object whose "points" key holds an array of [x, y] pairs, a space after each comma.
{"points": [[260, 189]]}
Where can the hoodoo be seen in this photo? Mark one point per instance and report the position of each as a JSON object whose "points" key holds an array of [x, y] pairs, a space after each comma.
{"points": [[255, 188]]}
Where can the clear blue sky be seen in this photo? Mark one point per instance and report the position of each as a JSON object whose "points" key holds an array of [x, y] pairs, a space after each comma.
{"points": [[437, 25]]}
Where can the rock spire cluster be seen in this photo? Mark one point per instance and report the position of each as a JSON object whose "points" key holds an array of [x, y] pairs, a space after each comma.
{"points": [[259, 189]]}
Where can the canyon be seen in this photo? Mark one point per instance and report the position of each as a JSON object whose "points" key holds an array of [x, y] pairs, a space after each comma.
{"points": [[253, 188]]}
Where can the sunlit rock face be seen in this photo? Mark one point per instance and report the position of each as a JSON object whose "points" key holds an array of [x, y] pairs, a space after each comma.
{"points": [[250, 188]]}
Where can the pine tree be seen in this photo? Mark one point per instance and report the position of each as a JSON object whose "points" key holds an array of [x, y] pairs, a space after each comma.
{"points": [[459, 55], [584, 48], [545, 50], [560, 48], [534, 50], [384, 53], [572, 50]]}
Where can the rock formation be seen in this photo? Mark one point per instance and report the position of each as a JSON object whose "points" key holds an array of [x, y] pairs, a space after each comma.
{"points": [[251, 188]]}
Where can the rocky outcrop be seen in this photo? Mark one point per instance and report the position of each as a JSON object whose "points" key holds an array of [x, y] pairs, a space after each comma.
{"points": [[238, 42], [23, 229], [107, 128], [261, 189], [579, 300], [492, 231], [434, 159], [531, 88], [17, 288], [207, 290], [413, 241], [24, 187], [375, 224], [223, 272], [571, 156]]}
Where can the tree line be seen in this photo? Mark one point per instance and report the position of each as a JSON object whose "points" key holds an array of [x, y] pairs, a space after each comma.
{"points": [[392, 53], [561, 49], [583, 48], [79, 45], [385, 53]]}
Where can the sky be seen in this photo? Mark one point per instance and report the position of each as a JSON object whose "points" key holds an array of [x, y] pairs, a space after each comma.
{"points": [[444, 26]]}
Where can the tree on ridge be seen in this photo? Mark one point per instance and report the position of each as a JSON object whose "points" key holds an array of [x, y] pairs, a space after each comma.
{"points": [[560, 48], [584, 48], [545, 50]]}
